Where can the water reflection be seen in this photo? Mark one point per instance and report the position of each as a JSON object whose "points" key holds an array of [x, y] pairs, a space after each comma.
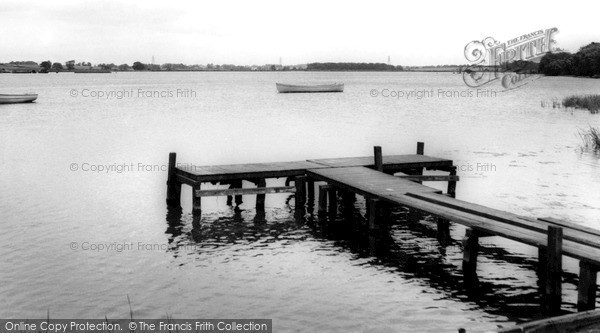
{"points": [[405, 244]]}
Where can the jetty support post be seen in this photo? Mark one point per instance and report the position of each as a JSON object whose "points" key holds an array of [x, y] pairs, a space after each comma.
{"points": [[196, 200], [471, 250], [553, 290], [300, 183], [378, 158], [452, 182], [373, 208], [310, 191], [323, 193], [173, 185], [586, 298], [443, 231], [260, 198], [332, 199]]}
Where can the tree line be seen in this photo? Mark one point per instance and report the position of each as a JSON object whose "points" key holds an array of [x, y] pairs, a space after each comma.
{"points": [[352, 66], [586, 62]]}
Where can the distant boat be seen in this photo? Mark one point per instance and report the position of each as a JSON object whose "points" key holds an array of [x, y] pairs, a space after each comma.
{"points": [[318, 88], [17, 98]]}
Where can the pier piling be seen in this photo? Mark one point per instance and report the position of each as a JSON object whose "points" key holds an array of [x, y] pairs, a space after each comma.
{"points": [[378, 158], [553, 292], [586, 298], [260, 198], [173, 185]]}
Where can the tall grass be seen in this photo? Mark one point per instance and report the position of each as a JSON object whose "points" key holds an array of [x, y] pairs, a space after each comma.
{"points": [[589, 102], [591, 138]]}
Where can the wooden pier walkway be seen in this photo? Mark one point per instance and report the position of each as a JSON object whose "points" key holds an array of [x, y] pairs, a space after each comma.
{"points": [[397, 180]]}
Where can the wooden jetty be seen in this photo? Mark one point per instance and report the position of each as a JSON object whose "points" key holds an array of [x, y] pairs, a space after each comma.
{"points": [[397, 180]]}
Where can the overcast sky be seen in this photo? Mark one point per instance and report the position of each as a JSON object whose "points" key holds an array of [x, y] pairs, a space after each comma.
{"points": [[260, 32]]}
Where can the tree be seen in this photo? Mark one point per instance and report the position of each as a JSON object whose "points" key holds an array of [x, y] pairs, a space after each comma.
{"points": [[138, 66], [124, 67], [46, 65], [57, 66], [70, 65]]}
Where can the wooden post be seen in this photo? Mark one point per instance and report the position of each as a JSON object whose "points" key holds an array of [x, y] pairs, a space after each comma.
{"points": [[420, 148], [541, 270], [196, 200], [372, 213], [322, 208], [443, 231], [310, 184], [260, 198], [300, 182], [471, 250], [452, 183], [553, 290], [332, 193], [378, 158], [173, 185], [586, 298], [238, 183]]}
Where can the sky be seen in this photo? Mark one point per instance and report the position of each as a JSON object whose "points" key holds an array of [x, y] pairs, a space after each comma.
{"points": [[411, 33]]}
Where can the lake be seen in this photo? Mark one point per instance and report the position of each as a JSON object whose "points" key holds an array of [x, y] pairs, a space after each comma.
{"points": [[84, 223]]}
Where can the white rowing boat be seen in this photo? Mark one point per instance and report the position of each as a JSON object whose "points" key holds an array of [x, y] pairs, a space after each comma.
{"points": [[318, 88], [17, 98]]}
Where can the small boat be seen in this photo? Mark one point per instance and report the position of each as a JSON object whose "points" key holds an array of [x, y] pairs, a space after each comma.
{"points": [[319, 88], [17, 98]]}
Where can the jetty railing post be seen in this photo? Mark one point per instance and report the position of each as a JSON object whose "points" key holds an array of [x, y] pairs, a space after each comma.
{"points": [[553, 290], [260, 198], [173, 185], [300, 183], [586, 298], [378, 158], [420, 148], [471, 250]]}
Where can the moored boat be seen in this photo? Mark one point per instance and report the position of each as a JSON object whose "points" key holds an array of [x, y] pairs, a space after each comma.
{"points": [[318, 88], [17, 98]]}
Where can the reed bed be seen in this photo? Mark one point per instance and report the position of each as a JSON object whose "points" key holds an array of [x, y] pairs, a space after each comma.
{"points": [[588, 102], [591, 138]]}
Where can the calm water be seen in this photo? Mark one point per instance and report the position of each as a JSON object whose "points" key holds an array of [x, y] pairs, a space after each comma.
{"points": [[306, 276]]}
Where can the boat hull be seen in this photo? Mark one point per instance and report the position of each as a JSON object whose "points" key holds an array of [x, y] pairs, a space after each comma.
{"points": [[20, 98], [320, 88]]}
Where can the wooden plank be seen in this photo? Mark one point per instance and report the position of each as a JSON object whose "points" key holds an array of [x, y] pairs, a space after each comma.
{"points": [[185, 180], [572, 232], [575, 322], [245, 191], [429, 178], [367, 182], [407, 161], [571, 225]]}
